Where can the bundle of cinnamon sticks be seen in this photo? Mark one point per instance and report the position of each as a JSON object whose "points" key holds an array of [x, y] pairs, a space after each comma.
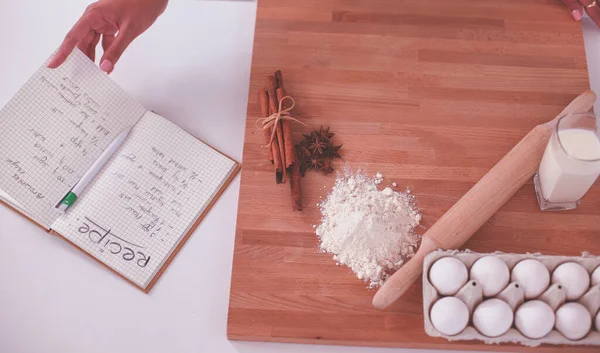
{"points": [[280, 145]]}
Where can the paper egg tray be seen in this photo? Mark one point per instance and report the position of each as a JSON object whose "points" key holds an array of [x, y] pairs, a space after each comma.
{"points": [[430, 296]]}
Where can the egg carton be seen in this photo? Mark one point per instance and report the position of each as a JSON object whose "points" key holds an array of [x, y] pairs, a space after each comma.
{"points": [[430, 296]]}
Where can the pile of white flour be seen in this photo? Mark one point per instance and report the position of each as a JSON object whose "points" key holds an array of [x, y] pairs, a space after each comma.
{"points": [[368, 230]]}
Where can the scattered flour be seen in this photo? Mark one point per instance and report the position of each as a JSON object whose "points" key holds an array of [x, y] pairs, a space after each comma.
{"points": [[378, 178], [368, 230]]}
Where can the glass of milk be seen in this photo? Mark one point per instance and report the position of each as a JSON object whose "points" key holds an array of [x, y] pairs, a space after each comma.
{"points": [[571, 162]]}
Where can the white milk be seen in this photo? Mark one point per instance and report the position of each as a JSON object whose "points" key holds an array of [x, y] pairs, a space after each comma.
{"points": [[564, 178]]}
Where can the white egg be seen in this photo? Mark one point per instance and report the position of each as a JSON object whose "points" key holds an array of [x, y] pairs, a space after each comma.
{"points": [[491, 273], [533, 276], [573, 320], [449, 315], [596, 276], [573, 277], [448, 275], [598, 321], [534, 319], [493, 317]]}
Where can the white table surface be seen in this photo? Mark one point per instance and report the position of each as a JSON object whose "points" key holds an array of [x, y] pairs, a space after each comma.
{"points": [[193, 67]]}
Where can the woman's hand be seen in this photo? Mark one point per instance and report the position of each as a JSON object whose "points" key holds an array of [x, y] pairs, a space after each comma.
{"points": [[590, 6], [116, 22]]}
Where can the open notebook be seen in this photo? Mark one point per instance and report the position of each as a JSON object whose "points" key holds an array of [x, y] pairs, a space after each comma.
{"points": [[144, 203]]}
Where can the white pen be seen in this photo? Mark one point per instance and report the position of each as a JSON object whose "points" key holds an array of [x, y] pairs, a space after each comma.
{"points": [[70, 198]]}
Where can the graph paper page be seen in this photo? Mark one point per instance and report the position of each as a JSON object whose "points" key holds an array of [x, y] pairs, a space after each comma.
{"points": [[12, 202], [145, 199], [54, 128]]}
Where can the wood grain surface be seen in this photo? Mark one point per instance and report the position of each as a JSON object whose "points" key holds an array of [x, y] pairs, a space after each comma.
{"points": [[431, 94]]}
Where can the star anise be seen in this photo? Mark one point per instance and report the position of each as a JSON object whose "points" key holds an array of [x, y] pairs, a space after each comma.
{"points": [[327, 168], [303, 150], [332, 151], [313, 136], [316, 163], [318, 145], [316, 151], [325, 133]]}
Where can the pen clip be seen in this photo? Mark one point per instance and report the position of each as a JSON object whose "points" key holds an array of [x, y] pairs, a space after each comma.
{"points": [[59, 204]]}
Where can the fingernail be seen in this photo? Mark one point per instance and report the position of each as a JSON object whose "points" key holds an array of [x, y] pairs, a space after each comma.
{"points": [[50, 64], [106, 66], [576, 15]]}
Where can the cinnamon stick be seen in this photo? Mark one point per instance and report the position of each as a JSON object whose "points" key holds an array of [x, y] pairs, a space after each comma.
{"points": [[274, 108], [271, 88], [295, 187], [287, 134], [274, 148], [281, 151], [290, 152], [277, 161], [264, 110]]}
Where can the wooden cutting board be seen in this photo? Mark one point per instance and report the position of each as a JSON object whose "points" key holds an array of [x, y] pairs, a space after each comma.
{"points": [[429, 93]]}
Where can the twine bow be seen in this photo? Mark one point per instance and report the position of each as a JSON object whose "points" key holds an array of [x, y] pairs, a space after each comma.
{"points": [[273, 120]]}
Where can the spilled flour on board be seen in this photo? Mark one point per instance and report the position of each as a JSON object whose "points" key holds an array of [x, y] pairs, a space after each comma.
{"points": [[368, 230]]}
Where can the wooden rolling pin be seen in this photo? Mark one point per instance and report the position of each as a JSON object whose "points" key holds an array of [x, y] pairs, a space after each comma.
{"points": [[492, 191]]}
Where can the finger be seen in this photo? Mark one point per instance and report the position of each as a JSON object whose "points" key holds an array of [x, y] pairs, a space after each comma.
{"points": [[574, 8], [116, 49], [76, 34], [107, 41], [92, 46], [84, 44], [594, 13]]}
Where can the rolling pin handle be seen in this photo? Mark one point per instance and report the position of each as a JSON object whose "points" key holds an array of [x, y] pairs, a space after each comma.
{"points": [[396, 286]]}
